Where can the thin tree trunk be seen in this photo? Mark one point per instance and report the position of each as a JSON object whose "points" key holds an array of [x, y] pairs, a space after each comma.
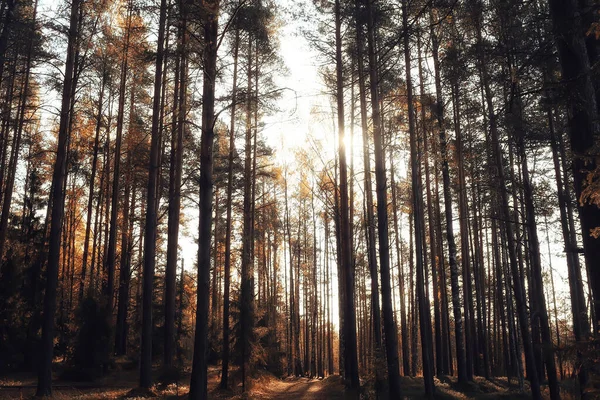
{"points": [[423, 301], [112, 236], [125, 267], [88, 225], [350, 342], [227, 272], [463, 376], [247, 270], [583, 125], [504, 214], [370, 219], [581, 327], [150, 234], [403, 325], [391, 334], [175, 200]]}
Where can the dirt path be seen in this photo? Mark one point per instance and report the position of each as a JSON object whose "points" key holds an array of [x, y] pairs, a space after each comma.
{"points": [[299, 389]]}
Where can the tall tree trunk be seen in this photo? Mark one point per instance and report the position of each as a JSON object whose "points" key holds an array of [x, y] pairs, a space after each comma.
{"points": [[247, 270], [227, 267], [534, 246], [88, 223], [496, 164], [175, 199], [350, 352], [423, 301], [390, 329], [581, 326], [584, 127], [459, 333], [370, 218], [198, 384], [150, 233], [12, 165], [44, 386], [125, 267], [112, 236], [433, 242], [6, 31]]}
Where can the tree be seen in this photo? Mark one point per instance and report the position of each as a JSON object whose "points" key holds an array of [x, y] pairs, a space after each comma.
{"points": [[390, 329], [349, 326], [151, 212], [198, 384], [44, 386]]}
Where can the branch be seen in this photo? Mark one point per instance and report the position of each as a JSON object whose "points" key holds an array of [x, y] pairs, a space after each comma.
{"points": [[226, 28]]}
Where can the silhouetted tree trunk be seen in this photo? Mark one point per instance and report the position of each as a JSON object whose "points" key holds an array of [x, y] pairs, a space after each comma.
{"points": [[534, 246], [418, 212], [496, 164], [247, 270], [581, 326], [584, 127], [175, 197], [6, 31], [88, 222], [390, 329], [403, 325], [44, 386], [370, 218], [150, 234], [125, 266], [227, 271], [459, 333], [112, 236], [350, 354], [198, 384]]}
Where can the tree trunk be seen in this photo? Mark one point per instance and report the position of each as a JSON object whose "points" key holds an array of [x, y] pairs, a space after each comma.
{"points": [[44, 386], [227, 272], [496, 165], [125, 268], [350, 352], [175, 199], [584, 127], [534, 247], [150, 233], [198, 384], [397, 230], [112, 236], [88, 224], [423, 301], [581, 327], [454, 271], [370, 219], [247, 270], [390, 329]]}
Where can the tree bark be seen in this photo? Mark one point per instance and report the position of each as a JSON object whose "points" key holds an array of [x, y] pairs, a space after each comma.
{"points": [[423, 301], [88, 223], [150, 233], [198, 383], [44, 386], [175, 198], [112, 236], [350, 352], [584, 129], [370, 218], [227, 267]]}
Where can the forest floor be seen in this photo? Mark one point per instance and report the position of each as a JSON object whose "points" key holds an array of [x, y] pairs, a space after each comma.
{"points": [[119, 383]]}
